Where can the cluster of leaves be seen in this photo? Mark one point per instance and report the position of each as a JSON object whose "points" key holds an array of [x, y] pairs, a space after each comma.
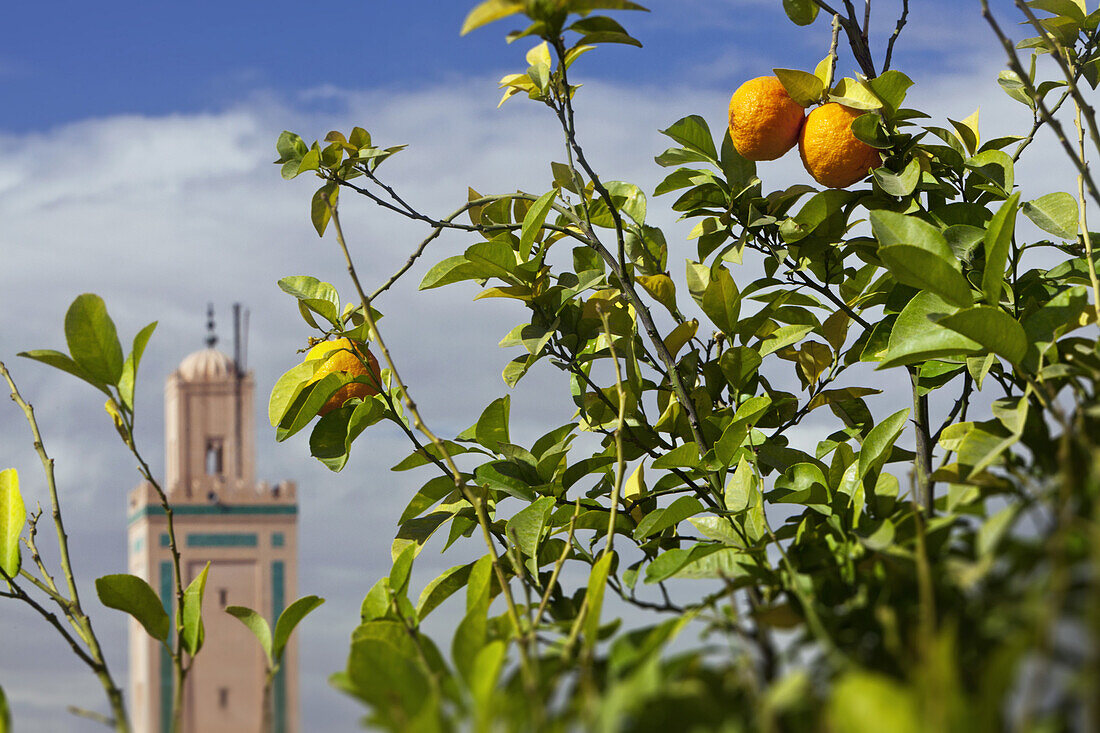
{"points": [[890, 555]]}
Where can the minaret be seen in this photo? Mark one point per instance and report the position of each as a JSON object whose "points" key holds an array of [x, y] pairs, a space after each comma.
{"points": [[246, 530]]}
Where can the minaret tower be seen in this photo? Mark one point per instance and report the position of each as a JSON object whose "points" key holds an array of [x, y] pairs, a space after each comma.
{"points": [[246, 530]]}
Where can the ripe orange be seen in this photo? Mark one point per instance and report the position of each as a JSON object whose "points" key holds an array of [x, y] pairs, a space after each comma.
{"points": [[829, 150], [341, 359], [764, 120]]}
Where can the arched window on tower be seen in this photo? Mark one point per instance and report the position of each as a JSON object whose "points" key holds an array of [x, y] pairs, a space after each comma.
{"points": [[214, 456]]}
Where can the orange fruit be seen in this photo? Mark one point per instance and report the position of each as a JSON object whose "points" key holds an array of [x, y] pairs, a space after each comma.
{"points": [[347, 357], [764, 120], [829, 150]]}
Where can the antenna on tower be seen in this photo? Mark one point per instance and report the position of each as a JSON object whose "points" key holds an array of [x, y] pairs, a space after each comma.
{"points": [[211, 335], [240, 354]]}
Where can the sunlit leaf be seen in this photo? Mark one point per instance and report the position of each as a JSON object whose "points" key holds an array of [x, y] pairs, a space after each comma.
{"points": [[13, 517], [132, 595]]}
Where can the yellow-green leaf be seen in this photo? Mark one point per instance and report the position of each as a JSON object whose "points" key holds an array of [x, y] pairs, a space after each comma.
{"points": [[13, 516], [681, 335], [489, 11], [662, 288]]}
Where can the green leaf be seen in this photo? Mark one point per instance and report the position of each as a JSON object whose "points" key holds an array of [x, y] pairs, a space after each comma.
{"points": [[718, 528], [916, 337], [384, 670], [291, 150], [626, 197], [898, 184], [451, 270], [13, 517], [892, 228], [486, 671], [526, 526], [257, 625], [802, 86], [855, 94], [492, 426], [694, 134], [925, 270], [5, 713], [495, 258], [403, 557], [995, 528], [864, 701], [1014, 87], [442, 588], [597, 584], [286, 389], [506, 476], [332, 436], [661, 519], [823, 214], [469, 638], [890, 87], [193, 629], [998, 238], [1072, 9], [783, 336], [289, 620], [693, 562], [533, 221], [868, 128], [306, 404], [309, 288], [722, 301], [421, 457], [92, 338], [320, 207], [991, 327], [1065, 311], [879, 441], [601, 29], [132, 595], [65, 363], [129, 369], [1056, 213], [738, 364], [684, 456], [801, 12], [739, 171], [741, 490], [996, 167]]}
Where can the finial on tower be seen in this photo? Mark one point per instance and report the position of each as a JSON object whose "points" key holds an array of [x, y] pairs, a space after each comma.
{"points": [[211, 335]]}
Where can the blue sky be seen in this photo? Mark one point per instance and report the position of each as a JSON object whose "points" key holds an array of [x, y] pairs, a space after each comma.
{"points": [[138, 139], [68, 60]]}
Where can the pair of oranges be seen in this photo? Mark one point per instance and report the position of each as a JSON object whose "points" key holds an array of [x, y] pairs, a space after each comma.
{"points": [[765, 123]]}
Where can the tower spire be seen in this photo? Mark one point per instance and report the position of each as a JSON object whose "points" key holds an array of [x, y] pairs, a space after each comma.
{"points": [[211, 334]]}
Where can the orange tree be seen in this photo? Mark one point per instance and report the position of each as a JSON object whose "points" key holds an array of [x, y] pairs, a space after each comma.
{"points": [[898, 574]]}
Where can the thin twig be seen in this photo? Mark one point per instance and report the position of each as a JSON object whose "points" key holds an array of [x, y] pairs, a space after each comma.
{"points": [[1029, 87], [1061, 56], [18, 593], [71, 607], [894, 36], [557, 566]]}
